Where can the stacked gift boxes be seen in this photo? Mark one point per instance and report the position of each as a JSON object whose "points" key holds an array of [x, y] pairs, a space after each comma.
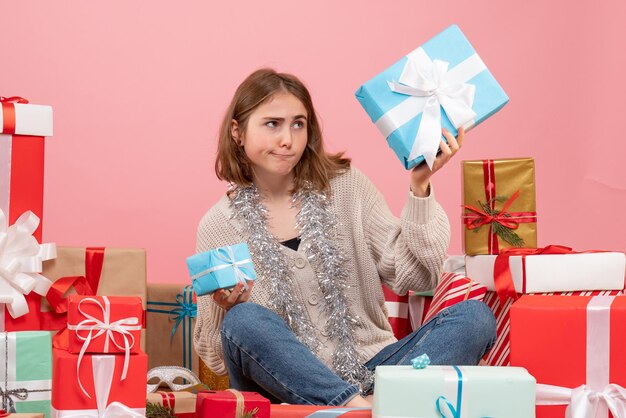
{"points": [[98, 367]]}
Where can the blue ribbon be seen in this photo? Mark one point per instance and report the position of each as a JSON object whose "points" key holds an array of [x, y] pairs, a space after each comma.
{"points": [[334, 412], [456, 412], [183, 311]]}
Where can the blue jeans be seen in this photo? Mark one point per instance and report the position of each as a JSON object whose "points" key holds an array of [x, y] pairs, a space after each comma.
{"points": [[263, 355]]}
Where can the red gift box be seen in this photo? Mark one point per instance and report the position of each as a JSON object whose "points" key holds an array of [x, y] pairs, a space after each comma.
{"points": [[570, 342], [96, 382], [230, 404], [397, 313], [313, 411], [23, 127], [104, 324]]}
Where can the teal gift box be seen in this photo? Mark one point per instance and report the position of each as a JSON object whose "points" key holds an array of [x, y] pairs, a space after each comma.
{"points": [[453, 391], [220, 268], [443, 83], [26, 371]]}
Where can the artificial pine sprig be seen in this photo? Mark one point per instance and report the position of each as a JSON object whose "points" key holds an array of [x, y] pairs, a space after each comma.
{"points": [[500, 230], [154, 410], [250, 414]]}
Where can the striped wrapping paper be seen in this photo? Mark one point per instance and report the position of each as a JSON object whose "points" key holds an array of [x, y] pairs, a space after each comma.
{"points": [[453, 288], [499, 354], [398, 313]]}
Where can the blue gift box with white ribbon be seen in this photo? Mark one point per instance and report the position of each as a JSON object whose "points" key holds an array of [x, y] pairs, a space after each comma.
{"points": [[443, 83], [221, 268]]}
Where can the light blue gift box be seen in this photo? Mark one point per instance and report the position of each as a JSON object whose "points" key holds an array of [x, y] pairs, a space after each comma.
{"points": [[453, 392], [26, 371], [464, 67], [220, 268]]}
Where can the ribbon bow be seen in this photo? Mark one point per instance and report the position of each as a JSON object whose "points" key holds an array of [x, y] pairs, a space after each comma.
{"points": [[21, 258], [186, 308], [103, 368], [502, 217], [13, 99], [7, 397], [584, 402], [430, 80], [97, 327]]}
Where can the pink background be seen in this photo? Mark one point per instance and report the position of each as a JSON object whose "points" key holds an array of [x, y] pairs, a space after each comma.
{"points": [[139, 88]]}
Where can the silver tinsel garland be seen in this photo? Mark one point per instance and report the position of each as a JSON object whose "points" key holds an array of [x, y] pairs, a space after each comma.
{"points": [[317, 224]]}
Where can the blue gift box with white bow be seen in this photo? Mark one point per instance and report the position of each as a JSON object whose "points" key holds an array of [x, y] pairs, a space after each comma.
{"points": [[220, 268], [441, 84]]}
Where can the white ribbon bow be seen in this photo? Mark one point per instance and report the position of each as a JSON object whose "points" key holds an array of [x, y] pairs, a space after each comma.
{"points": [[97, 327], [430, 85], [583, 402], [103, 368], [21, 259], [229, 259]]}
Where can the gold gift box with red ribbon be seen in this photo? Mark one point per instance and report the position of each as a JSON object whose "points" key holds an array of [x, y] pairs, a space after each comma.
{"points": [[499, 204]]}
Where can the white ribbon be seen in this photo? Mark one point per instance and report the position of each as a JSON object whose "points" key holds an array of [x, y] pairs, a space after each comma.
{"points": [[230, 262], [97, 327], [430, 85], [598, 396], [103, 368], [21, 259]]}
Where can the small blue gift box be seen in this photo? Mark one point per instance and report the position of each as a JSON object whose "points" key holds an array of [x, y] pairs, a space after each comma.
{"points": [[220, 268], [443, 83]]}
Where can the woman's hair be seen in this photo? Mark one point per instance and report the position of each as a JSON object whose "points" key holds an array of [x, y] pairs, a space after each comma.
{"points": [[232, 164]]}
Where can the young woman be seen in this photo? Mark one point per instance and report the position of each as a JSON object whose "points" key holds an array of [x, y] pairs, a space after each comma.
{"points": [[313, 327]]}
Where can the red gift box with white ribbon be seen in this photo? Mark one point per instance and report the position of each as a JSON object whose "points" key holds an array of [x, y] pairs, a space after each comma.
{"points": [[231, 403], [98, 385], [576, 349], [104, 324]]}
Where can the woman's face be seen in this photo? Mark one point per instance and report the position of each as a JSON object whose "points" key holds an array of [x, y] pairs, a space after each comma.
{"points": [[275, 136]]}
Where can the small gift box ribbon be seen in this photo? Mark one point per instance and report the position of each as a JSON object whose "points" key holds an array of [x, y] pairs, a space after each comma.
{"points": [[8, 112], [227, 256], [21, 258], [430, 86], [334, 412], [598, 396], [97, 327], [103, 368]]}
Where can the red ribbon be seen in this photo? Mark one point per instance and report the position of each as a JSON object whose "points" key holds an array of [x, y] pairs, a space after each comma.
{"points": [[86, 285], [169, 400], [3, 413], [8, 112], [509, 220], [503, 279]]}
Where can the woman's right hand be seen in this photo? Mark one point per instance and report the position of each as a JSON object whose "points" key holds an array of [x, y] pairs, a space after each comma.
{"points": [[226, 299]]}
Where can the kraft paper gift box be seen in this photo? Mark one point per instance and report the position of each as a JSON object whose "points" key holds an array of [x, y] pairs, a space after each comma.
{"points": [[314, 411], [91, 271], [95, 384], [570, 342], [104, 324], [183, 404], [23, 127], [443, 83], [499, 205], [220, 268], [550, 269], [231, 403], [460, 391], [26, 371], [170, 320]]}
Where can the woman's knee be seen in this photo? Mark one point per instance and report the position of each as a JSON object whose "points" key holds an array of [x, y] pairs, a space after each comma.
{"points": [[245, 319], [479, 320]]}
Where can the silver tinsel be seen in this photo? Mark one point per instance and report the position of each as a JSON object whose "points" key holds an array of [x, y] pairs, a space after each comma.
{"points": [[318, 227]]}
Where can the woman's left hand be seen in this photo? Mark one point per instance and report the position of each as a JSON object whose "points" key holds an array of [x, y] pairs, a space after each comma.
{"points": [[420, 175]]}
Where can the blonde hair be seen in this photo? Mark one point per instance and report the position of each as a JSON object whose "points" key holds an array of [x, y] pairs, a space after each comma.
{"points": [[232, 165]]}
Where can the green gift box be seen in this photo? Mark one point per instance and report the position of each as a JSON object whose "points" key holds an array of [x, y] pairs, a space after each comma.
{"points": [[26, 371]]}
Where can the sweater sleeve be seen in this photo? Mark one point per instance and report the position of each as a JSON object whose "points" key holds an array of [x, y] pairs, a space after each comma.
{"points": [[408, 252], [207, 331]]}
